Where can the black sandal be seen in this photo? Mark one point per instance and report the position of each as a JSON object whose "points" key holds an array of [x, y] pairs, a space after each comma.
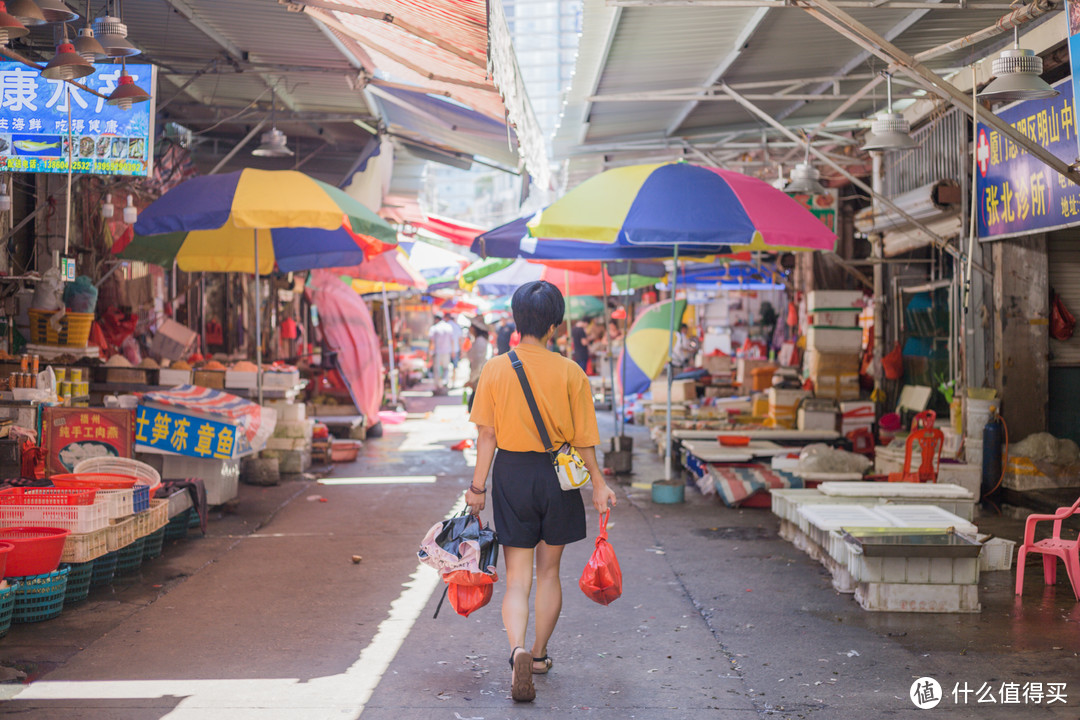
{"points": [[521, 687], [547, 662]]}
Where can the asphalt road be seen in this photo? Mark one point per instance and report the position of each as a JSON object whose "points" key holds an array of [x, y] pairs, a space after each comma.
{"points": [[268, 617]]}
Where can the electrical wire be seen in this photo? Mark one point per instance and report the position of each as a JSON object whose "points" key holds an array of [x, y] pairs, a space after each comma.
{"points": [[234, 116]]}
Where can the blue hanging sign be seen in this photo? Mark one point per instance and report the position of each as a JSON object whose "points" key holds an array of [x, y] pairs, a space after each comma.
{"points": [[182, 434], [105, 140], [1018, 193]]}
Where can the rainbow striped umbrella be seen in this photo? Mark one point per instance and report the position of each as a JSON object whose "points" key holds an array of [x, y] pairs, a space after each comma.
{"points": [[681, 205], [645, 351], [210, 223]]}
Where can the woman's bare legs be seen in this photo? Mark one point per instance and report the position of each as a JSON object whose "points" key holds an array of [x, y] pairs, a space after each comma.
{"points": [[548, 595], [515, 607]]}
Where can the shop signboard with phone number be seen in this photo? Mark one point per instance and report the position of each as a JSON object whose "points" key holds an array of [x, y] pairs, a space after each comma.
{"points": [[105, 140]]}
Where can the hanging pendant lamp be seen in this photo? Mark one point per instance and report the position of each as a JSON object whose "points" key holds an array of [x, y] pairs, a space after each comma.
{"points": [[66, 64], [127, 93], [55, 11], [805, 178], [111, 32], [10, 27], [27, 12], [890, 130], [273, 143], [1016, 76], [86, 44]]}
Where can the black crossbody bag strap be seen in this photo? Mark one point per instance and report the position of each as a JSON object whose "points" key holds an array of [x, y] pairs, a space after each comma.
{"points": [[515, 362]]}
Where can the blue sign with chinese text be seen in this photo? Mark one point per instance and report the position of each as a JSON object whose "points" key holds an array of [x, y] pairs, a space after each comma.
{"points": [[105, 140], [1017, 192], [174, 432]]}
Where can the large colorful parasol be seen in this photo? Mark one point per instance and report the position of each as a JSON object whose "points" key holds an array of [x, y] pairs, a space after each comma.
{"points": [[209, 224], [646, 350], [684, 205]]}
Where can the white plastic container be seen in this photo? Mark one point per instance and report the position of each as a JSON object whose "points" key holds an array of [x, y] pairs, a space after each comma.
{"points": [[976, 414], [997, 554], [836, 318], [817, 300], [826, 339]]}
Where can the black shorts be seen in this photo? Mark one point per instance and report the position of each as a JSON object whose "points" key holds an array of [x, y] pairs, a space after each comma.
{"points": [[530, 506]]}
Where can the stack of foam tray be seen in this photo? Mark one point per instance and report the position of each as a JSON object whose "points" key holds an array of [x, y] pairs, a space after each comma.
{"points": [[927, 567]]}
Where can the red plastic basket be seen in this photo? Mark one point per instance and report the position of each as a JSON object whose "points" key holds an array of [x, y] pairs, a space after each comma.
{"points": [[37, 550], [105, 481], [48, 496], [5, 550]]}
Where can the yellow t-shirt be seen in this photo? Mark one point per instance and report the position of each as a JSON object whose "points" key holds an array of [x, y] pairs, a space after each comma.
{"points": [[562, 393]]}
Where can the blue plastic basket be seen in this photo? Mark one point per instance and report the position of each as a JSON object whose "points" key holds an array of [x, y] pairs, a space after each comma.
{"points": [[7, 607], [129, 557], [154, 543], [40, 597], [104, 569], [141, 498], [78, 584]]}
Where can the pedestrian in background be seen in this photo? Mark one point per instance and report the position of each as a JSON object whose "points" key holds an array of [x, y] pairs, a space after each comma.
{"points": [[534, 517], [440, 351], [478, 354]]}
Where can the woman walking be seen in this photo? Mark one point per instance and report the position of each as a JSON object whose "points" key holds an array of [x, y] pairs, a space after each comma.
{"points": [[534, 518]]}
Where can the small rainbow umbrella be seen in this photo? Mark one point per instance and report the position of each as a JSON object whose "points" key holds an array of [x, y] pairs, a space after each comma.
{"points": [[645, 350]]}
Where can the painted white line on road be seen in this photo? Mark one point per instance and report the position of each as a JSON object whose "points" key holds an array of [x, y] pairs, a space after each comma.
{"points": [[327, 698], [384, 480]]}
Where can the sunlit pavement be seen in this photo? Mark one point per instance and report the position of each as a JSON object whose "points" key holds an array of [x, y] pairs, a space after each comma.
{"points": [[268, 617]]}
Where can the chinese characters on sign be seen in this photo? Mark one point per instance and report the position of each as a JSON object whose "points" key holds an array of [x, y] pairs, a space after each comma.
{"points": [[1017, 192], [75, 434], [1011, 693], [174, 432], [823, 207], [105, 140]]}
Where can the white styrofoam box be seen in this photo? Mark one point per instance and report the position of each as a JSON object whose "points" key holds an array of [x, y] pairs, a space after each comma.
{"points": [[302, 429], [909, 597], [276, 380], [835, 318], [287, 444], [855, 414], [245, 379], [290, 461], [973, 451], [823, 519], [290, 412], [966, 476], [815, 420], [952, 441], [903, 491], [826, 339], [924, 516], [171, 378], [221, 477], [834, 300], [997, 554], [919, 570]]}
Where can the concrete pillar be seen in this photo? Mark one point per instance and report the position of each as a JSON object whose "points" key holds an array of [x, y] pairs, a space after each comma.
{"points": [[1021, 332]]}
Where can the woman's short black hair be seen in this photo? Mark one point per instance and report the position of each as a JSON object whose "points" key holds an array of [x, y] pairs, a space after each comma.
{"points": [[537, 306]]}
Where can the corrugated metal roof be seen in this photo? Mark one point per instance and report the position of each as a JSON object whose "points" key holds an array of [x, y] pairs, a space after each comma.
{"points": [[649, 49]]}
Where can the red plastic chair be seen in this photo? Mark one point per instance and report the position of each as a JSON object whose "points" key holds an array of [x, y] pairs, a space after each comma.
{"points": [[931, 441], [1051, 548], [862, 441]]}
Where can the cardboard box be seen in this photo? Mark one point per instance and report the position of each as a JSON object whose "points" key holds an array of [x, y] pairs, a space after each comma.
{"points": [[834, 300], [834, 339], [783, 405], [173, 341], [718, 364], [819, 363], [213, 379], [838, 386], [815, 419], [681, 391]]}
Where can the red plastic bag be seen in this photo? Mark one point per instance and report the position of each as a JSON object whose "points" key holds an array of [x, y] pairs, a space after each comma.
{"points": [[1062, 323], [602, 578], [893, 364], [469, 591]]}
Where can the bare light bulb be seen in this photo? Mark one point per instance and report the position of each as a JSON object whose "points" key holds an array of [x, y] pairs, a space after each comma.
{"points": [[131, 213], [108, 210]]}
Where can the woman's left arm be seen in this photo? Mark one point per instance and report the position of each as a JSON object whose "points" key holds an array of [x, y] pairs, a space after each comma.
{"points": [[603, 496]]}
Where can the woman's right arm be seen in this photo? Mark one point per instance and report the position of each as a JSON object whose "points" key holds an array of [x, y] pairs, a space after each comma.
{"points": [[485, 454]]}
